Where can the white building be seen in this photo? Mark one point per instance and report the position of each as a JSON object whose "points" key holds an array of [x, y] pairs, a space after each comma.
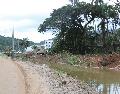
{"points": [[48, 43]]}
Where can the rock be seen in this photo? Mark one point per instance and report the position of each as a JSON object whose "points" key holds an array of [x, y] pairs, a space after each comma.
{"points": [[52, 83]]}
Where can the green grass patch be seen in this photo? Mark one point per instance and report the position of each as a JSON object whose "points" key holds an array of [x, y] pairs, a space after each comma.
{"points": [[87, 74]]}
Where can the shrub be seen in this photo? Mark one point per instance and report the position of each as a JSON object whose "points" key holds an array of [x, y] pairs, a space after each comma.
{"points": [[104, 62], [72, 59], [69, 58]]}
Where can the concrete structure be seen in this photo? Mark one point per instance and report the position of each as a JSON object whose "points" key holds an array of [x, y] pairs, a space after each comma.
{"points": [[48, 44]]}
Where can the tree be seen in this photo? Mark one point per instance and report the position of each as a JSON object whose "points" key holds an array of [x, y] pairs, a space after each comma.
{"points": [[34, 47], [74, 2], [109, 15], [24, 43], [8, 50], [97, 2], [73, 24]]}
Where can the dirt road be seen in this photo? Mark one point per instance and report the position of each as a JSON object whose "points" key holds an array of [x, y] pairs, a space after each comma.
{"points": [[17, 77], [11, 78]]}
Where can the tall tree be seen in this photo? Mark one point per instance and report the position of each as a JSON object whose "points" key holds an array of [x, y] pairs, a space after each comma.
{"points": [[73, 23], [24, 43], [74, 2], [109, 15]]}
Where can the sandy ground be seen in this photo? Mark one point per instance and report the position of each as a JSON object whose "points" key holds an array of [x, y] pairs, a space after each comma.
{"points": [[11, 78], [35, 83], [17, 77]]}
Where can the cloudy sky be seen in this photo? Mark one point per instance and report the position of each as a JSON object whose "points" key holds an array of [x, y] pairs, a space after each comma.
{"points": [[25, 16]]}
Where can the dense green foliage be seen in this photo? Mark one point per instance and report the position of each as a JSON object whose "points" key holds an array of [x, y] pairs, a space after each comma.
{"points": [[6, 43], [24, 43], [84, 27]]}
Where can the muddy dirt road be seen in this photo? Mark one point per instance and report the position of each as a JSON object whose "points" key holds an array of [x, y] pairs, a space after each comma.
{"points": [[11, 78]]}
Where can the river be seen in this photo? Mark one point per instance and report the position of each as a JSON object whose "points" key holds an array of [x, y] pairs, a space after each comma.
{"points": [[105, 81]]}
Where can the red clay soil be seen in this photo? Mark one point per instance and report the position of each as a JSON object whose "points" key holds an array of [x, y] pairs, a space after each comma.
{"points": [[112, 59]]}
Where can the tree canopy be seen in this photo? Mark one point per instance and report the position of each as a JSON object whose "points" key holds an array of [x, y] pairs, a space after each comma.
{"points": [[24, 43], [82, 25]]}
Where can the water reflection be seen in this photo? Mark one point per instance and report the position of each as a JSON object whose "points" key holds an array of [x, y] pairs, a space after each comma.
{"points": [[105, 81], [105, 88], [108, 89]]}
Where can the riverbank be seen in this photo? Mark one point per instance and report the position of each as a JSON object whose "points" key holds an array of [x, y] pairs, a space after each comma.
{"points": [[43, 80], [84, 68]]}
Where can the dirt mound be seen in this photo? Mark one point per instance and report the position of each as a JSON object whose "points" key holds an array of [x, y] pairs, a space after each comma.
{"points": [[111, 60], [106, 60]]}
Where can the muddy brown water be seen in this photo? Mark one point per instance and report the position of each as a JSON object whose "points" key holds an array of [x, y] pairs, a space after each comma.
{"points": [[105, 81]]}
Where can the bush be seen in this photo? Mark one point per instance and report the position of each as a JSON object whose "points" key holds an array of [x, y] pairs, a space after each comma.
{"points": [[104, 62], [69, 58], [72, 59]]}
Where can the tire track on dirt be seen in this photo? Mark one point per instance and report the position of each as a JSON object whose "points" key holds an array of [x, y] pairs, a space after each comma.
{"points": [[12, 79], [24, 74], [35, 84]]}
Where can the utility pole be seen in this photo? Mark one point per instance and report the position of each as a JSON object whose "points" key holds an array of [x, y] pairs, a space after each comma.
{"points": [[18, 46], [13, 44]]}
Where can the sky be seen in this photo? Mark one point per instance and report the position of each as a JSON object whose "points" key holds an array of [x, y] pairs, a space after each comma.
{"points": [[25, 16]]}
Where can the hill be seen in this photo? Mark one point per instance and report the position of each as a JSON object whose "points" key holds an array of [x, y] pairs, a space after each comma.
{"points": [[6, 42]]}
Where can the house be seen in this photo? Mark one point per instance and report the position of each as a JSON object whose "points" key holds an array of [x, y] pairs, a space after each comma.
{"points": [[48, 43]]}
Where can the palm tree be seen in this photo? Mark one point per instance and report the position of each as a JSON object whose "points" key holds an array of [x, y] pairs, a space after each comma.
{"points": [[24, 43], [34, 47]]}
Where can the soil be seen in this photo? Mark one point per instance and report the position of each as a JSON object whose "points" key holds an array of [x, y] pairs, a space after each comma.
{"points": [[43, 80], [19, 77], [11, 78]]}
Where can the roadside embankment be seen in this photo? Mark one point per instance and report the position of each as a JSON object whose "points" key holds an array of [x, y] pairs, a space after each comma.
{"points": [[41, 79]]}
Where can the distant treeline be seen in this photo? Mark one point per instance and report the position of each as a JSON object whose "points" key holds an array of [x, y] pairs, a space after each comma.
{"points": [[6, 43]]}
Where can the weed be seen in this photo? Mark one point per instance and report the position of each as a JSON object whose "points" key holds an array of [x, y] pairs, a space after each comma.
{"points": [[69, 58]]}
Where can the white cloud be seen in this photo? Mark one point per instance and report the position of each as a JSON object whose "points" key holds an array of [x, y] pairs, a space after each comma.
{"points": [[30, 33], [25, 16], [33, 35], [20, 23], [28, 7]]}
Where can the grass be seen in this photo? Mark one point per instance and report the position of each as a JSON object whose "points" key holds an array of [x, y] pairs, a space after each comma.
{"points": [[87, 74], [82, 73]]}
